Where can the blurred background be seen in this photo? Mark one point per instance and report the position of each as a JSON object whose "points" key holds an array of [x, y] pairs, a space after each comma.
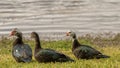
{"points": [[52, 18]]}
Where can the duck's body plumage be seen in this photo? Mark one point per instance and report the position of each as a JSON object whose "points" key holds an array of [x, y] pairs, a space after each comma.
{"points": [[84, 51], [47, 55], [20, 51]]}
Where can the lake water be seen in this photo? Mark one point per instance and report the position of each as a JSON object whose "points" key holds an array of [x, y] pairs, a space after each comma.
{"points": [[52, 18]]}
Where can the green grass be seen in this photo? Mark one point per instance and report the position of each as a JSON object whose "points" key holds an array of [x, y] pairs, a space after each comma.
{"points": [[64, 46]]}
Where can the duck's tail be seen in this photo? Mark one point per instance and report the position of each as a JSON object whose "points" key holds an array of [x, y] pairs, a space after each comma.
{"points": [[102, 56]]}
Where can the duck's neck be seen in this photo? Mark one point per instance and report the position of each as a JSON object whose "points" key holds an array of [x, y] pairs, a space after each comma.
{"points": [[37, 43], [18, 40], [75, 44]]}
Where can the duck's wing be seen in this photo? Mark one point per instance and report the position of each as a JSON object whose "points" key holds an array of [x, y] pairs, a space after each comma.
{"points": [[52, 55], [85, 52], [22, 53]]}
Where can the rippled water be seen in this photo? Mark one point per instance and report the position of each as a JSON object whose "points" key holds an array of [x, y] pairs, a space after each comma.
{"points": [[52, 18]]}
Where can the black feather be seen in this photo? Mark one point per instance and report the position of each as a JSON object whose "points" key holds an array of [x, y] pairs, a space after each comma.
{"points": [[20, 51], [84, 51], [47, 55]]}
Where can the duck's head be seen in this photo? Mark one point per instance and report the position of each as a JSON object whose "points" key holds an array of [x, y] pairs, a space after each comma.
{"points": [[15, 32], [34, 35], [71, 34]]}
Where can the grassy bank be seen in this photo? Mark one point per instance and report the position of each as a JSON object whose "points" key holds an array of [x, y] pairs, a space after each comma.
{"points": [[109, 46]]}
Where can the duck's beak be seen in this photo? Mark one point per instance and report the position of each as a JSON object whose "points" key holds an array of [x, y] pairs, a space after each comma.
{"points": [[12, 33], [67, 33]]}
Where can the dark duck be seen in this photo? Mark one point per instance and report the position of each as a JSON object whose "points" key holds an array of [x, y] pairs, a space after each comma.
{"points": [[47, 55], [84, 51], [20, 51]]}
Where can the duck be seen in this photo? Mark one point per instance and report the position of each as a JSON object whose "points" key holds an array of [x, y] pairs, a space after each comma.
{"points": [[43, 55], [81, 51], [21, 52]]}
